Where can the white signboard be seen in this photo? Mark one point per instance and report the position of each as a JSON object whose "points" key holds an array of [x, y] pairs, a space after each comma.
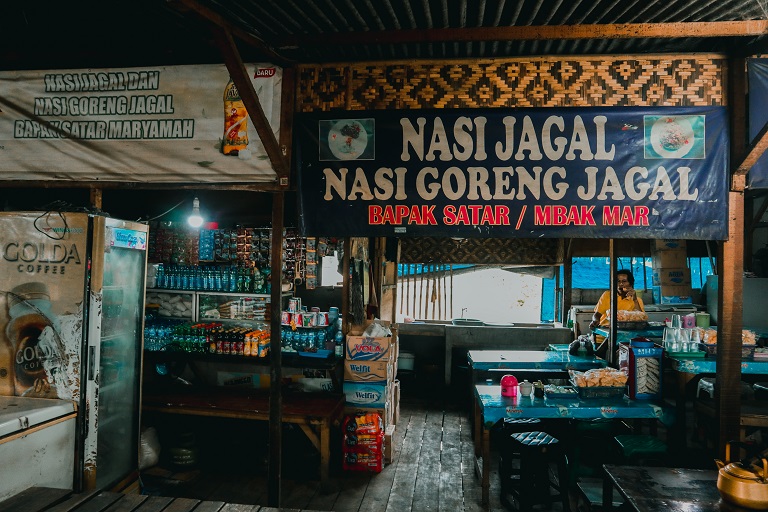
{"points": [[153, 125]]}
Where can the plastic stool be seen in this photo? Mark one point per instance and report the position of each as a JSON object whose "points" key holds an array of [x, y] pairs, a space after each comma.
{"points": [[536, 451], [707, 385], [640, 448], [761, 390], [594, 435]]}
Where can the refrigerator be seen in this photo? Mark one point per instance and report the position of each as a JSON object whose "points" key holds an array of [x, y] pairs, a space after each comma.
{"points": [[71, 330]]}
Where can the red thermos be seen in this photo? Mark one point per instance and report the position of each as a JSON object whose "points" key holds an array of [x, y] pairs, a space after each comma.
{"points": [[509, 385]]}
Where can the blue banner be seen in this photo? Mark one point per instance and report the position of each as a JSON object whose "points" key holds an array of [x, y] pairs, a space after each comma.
{"points": [[623, 172], [758, 116]]}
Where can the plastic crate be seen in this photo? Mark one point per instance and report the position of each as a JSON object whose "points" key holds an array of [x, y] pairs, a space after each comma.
{"points": [[747, 351]]}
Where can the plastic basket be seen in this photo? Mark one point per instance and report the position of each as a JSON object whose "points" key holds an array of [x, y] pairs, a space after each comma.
{"points": [[747, 351], [559, 392], [588, 392]]}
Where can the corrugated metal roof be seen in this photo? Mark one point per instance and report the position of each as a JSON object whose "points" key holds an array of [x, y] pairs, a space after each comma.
{"points": [[153, 32]]}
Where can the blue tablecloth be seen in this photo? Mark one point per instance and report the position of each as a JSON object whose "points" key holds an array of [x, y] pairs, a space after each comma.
{"points": [[495, 407], [530, 360], [709, 365], [654, 333]]}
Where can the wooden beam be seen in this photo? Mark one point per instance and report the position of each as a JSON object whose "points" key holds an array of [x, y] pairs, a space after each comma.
{"points": [[755, 151], [128, 185], [244, 86], [287, 107], [218, 20], [753, 28]]}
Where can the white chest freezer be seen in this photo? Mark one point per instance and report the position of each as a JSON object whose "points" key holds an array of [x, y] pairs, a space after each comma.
{"points": [[37, 444]]}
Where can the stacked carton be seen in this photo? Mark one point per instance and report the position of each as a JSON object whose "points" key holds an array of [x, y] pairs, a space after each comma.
{"points": [[671, 275], [369, 376]]}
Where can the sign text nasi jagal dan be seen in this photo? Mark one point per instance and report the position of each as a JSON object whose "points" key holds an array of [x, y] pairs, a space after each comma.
{"points": [[580, 172]]}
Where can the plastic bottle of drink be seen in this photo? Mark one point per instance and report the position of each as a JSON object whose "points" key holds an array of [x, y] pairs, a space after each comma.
{"points": [[217, 285], [235, 121], [225, 280], [160, 277]]}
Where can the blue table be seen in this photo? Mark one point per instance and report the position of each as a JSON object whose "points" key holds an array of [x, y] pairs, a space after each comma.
{"points": [[531, 360], [625, 336], [687, 368], [491, 407], [708, 364]]}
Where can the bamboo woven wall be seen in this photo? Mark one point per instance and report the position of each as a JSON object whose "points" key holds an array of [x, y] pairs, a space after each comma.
{"points": [[615, 81], [661, 80], [491, 251]]}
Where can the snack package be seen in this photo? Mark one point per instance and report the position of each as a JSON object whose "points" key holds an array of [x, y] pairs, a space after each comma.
{"points": [[599, 377]]}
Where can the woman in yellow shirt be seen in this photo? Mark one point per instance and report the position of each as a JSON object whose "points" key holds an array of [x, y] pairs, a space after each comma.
{"points": [[626, 299]]}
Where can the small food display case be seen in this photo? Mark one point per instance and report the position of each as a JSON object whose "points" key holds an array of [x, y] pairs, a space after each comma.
{"points": [[641, 361]]}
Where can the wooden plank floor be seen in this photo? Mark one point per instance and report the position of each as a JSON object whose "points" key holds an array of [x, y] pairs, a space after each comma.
{"points": [[432, 470]]}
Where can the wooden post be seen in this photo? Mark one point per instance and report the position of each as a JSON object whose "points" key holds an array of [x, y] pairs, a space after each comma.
{"points": [[567, 281], [276, 370], [730, 266]]}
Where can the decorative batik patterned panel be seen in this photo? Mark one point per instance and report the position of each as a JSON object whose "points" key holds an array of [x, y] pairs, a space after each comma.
{"points": [[491, 251], [680, 80]]}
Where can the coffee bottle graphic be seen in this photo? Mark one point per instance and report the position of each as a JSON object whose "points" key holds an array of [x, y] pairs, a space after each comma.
{"points": [[29, 308], [235, 121], [7, 385]]}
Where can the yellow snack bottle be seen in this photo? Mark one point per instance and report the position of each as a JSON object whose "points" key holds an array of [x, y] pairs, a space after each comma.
{"points": [[235, 121]]}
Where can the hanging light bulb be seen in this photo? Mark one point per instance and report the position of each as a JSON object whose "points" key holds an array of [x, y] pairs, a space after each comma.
{"points": [[195, 220]]}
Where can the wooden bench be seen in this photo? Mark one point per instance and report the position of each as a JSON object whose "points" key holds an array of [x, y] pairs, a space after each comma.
{"points": [[753, 414], [314, 413]]}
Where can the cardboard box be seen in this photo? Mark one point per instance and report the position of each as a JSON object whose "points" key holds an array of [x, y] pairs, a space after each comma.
{"points": [[670, 259], [672, 295], [666, 245], [368, 371], [679, 276], [366, 394], [389, 439], [362, 348]]}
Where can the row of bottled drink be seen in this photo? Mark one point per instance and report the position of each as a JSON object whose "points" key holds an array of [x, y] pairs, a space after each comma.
{"points": [[215, 338], [310, 339], [212, 278], [206, 338]]}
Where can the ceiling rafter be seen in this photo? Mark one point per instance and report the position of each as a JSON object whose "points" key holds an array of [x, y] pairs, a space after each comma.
{"points": [[537, 33], [224, 24]]}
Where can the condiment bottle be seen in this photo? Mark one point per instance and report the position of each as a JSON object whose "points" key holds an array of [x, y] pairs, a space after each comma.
{"points": [[526, 388]]}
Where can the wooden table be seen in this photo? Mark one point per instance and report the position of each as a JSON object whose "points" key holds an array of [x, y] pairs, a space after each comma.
{"points": [[491, 407], [314, 413], [650, 489]]}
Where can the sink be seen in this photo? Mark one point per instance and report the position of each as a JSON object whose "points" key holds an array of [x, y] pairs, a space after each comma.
{"points": [[467, 322]]}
